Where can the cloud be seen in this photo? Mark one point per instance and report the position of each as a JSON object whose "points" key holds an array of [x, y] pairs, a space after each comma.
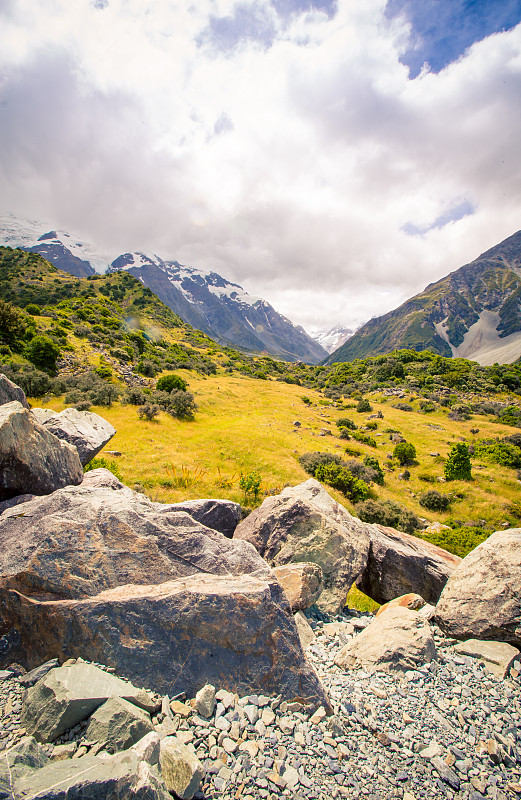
{"points": [[280, 143]]}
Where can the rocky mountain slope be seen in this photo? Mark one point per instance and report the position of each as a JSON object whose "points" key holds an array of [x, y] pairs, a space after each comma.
{"points": [[474, 313], [331, 338], [207, 301]]}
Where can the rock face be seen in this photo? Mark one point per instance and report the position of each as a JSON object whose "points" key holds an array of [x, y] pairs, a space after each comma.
{"points": [[302, 584], [482, 599], [88, 432], [31, 458], [234, 632], [68, 695], [305, 524], [396, 641], [9, 392], [221, 515], [399, 564]]}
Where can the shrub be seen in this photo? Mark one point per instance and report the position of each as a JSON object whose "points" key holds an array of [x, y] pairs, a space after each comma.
{"points": [[372, 463], [103, 463], [147, 368], [434, 501], [311, 461], [250, 485], [513, 438], [389, 513], [13, 324], [34, 382], [457, 465], [33, 310], [372, 425], [135, 396], [403, 406], [364, 438], [364, 406], [167, 383], [460, 540], [404, 453], [503, 453], [43, 352], [345, 422], [342, 479], [148, 411], [182, 405]]}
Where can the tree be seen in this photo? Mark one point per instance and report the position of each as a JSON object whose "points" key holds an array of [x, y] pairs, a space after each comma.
{"points": [[404, 453], [364, 406], [182, 405], [43, 352], [457, 465], [170, 382], [12, 324]]}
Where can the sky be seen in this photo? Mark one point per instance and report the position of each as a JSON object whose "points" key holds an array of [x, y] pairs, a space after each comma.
{"points": [[332, 156]]}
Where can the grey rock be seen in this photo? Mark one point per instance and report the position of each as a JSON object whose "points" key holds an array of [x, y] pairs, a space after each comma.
{"points": [[31, 458], [15, 501], [118, 724], [498, 657], [68, 695], [398, 640], [303, 584], [446, 773], [30, 678], [86, 431], [305, 631], [482, 598], [23, 758], [9, 392], [220, 515], [148, 748], [180, 768], [205, 700]]}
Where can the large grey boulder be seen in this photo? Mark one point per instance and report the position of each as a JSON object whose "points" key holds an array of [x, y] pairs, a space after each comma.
{"points": [[221, 515], [124, 775], [23, 758], [400, 564], [181, 770], [305, 524], [235, 632], [82, 540], [396, 641], [118, 725], [9, 391], [482, 598], [68, 695], [32, 459], [86, 431]]}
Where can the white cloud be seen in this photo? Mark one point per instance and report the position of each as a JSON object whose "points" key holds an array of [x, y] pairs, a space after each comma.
{"points": [[293, 166]]}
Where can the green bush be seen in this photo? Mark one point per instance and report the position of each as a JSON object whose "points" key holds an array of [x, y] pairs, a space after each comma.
{"points": [[345, 422], [13, 325], [434, 501], [148, 411], [364, 406], [167, 383], [33, 310], [342, 479], [503, 453], [404, 453], [457, 465], [250, 485], [374, 465], [182, 405], [311, 461], [364, 438], [43, 352], [103, 463], [459, 541], [389, 513]]}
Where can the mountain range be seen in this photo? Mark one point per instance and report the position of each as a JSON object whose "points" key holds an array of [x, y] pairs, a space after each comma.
{"points": [[474, 313], [206, 300]]}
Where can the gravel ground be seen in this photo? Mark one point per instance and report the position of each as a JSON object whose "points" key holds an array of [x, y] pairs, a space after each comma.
{"points": [[447, 730]]}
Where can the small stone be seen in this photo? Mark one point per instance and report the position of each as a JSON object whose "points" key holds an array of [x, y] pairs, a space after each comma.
{"points": [[229, 745], [318, 716], [205, 700], [180, 709]]}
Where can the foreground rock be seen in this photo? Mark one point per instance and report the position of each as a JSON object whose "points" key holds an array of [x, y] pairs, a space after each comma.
{"points": [[32, 459], [400, 564], [497, 657], [482, 599], [302, 583], [221, 515], [234, 632], [86, 431], [68, 695], [304, 523], [9, 392], [181, 770], [398, 640]]}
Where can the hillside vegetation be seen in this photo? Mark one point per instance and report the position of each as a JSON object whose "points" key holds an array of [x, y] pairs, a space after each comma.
{"points": [[384, 429]]}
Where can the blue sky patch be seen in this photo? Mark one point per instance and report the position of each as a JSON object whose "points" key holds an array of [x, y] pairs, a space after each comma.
{"points": [[453, 214]]}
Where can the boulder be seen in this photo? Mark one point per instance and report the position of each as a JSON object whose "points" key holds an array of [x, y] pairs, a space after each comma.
{"points": [[220, 515], [497, 657], [31, 458], [302, 584], [9, 392], [82, 540], [205, 701], [396, 641], [68, 695], [412, 601], [234, 632], [124, 775], [15, 501], [482, 598], [305, 631], [181, 770], [26, 756], [399, 564], [86, 431], [118, 724], [305, 524]]}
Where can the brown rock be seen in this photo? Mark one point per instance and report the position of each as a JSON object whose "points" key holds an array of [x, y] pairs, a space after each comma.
{"points": [[482, 599], [234, 632], [396, 641], [302, 584], [410, 601], [32, 460]]}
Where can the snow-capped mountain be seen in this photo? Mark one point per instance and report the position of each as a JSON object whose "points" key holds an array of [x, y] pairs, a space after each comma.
{"points": [[206, 300], [223, 310], [331, 338]]}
